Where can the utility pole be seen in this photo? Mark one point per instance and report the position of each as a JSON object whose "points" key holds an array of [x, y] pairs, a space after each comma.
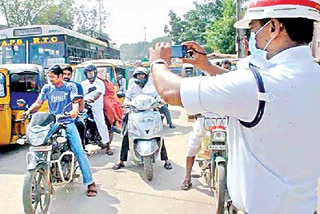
{"points": [[100, 18], [239, 36]]}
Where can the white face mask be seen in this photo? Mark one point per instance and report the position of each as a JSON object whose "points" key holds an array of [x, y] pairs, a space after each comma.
{"points": [[253, 44]]}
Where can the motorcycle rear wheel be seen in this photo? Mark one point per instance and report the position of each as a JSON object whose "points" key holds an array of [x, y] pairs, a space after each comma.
{"points": [[36, 191], [148, 168], [220, 187]]}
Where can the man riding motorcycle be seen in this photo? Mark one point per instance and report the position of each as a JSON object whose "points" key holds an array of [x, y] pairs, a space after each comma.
{"points": [[59, 94], [94, 89], [141, 85]]}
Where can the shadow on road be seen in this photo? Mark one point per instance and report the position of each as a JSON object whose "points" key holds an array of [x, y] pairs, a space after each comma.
{"points": [[72, 199], [179, 130], [11, 161]]}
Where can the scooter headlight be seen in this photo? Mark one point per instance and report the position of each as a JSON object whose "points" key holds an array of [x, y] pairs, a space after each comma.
{"points": [[219, 136]]}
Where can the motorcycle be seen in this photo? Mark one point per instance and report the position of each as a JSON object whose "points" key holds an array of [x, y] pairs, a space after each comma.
{"points": [[212, 159], [91, 134], [50, 160], [145, 131]]}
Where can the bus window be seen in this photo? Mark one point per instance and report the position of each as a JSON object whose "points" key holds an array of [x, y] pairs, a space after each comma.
{"points": [[2, 85], [47, 54], [13, 54]]}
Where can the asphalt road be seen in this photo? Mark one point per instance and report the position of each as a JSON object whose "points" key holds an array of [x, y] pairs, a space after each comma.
{"points": [[124, 191]]}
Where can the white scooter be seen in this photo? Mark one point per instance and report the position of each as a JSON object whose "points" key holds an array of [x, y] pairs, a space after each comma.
{"points": [[145, 130]]}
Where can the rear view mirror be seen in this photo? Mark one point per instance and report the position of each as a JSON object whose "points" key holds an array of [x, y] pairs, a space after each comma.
{"points": [[121, 94], [21, 103]]}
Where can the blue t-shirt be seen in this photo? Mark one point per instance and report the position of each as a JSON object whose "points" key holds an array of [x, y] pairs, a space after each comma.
{"points": [[58, 98], [79, 87]]}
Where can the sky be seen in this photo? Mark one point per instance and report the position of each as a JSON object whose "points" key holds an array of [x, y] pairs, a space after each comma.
{"points": [[129, 17]]}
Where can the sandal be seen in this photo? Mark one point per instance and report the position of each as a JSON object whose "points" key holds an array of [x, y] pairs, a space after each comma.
{"points": [[186, 185], [109, 151], [92, 191], [167, 165], [118, 166]]}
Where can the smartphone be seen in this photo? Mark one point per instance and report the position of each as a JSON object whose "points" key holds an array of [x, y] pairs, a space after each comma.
{"points": [[179, 51]]}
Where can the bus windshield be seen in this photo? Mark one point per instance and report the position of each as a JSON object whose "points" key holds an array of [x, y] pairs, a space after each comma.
{"points": [[47, 54], [13, 54]]}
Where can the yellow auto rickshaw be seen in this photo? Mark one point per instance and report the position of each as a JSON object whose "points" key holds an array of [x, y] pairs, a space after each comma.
{"points": [[17, 81]]}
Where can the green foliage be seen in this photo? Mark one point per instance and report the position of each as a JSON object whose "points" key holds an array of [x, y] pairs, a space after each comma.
{"points": [[194, 23], [140, 50], [88, 19], [61, 14], [23, 12], [221, 34]]}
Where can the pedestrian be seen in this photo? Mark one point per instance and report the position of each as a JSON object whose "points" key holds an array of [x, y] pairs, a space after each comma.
{"points": [[273, 164]]}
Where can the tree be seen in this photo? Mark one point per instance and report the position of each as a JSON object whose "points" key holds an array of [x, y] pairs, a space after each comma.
{"points": [[23, 12], [221, 33], [88, 20], [194, 22], [61, 14]]}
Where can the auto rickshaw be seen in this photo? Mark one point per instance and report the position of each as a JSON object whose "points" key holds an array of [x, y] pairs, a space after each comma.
{"points": [[113, 68], [18, 81]]}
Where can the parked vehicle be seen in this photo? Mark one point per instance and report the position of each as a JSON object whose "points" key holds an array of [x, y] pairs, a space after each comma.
{"points": [[145, 130], [212, 159], [50, 160], [18, 81]]}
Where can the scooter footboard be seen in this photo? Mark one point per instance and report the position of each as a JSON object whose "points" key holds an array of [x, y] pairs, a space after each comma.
{"points": [[146, 147]]}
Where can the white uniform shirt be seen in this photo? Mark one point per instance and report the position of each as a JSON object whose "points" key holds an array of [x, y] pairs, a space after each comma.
{"points": [[273, 167], [135, 90], [99, 85]]}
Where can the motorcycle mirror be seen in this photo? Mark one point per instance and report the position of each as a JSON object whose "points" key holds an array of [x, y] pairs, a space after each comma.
{"points": [[120, 94], [21, 103]]}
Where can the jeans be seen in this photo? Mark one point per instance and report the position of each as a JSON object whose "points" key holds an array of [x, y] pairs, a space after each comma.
{"points": [[76, 146], [165, 110]]}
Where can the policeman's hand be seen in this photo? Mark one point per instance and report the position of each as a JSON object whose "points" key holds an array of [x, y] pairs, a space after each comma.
{"points": [[160, 51], [74, 113], [199, 59]]}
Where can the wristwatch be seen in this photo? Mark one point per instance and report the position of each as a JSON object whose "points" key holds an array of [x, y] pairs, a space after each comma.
{"points": [[158, 61]]}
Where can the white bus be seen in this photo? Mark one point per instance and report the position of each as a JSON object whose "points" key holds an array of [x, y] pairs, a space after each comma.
{"points": [[47, 45]]}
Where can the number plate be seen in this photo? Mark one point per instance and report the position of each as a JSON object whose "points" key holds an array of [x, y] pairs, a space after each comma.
{"points": [[217, 147], [40, 148]]}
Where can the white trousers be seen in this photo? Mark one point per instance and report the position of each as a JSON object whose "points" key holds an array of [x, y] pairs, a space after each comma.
{"points": [[196, 137], [98, 115]]}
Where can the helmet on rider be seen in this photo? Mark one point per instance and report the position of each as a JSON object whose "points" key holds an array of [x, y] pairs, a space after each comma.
{"points": [[90, 71], [140, 76], [263, 9]]}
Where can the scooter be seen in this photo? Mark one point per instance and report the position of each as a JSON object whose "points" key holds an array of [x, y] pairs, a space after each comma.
{"points": [[212, 159], [145, 130]]}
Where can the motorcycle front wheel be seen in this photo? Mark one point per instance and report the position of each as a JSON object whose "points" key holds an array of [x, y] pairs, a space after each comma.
{"points": [[220, 187], [36, 191], [148, 168]]}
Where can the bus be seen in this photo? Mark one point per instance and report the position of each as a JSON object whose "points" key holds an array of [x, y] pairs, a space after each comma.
{"points": [[47, 45]]}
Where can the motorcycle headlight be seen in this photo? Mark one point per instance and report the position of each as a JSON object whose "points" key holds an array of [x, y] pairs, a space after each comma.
{"points": [[219, 136]]}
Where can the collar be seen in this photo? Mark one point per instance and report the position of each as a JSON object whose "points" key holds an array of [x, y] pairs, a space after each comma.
{"points": [[293, 54]]}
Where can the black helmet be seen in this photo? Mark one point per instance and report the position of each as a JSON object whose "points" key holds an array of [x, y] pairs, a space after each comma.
{"points": [[140, 82], [90, 68]]}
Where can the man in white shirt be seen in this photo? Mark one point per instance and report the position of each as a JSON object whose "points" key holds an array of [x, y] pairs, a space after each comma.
{"points": [[273, 163], [140, 84], [93, 90]]}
